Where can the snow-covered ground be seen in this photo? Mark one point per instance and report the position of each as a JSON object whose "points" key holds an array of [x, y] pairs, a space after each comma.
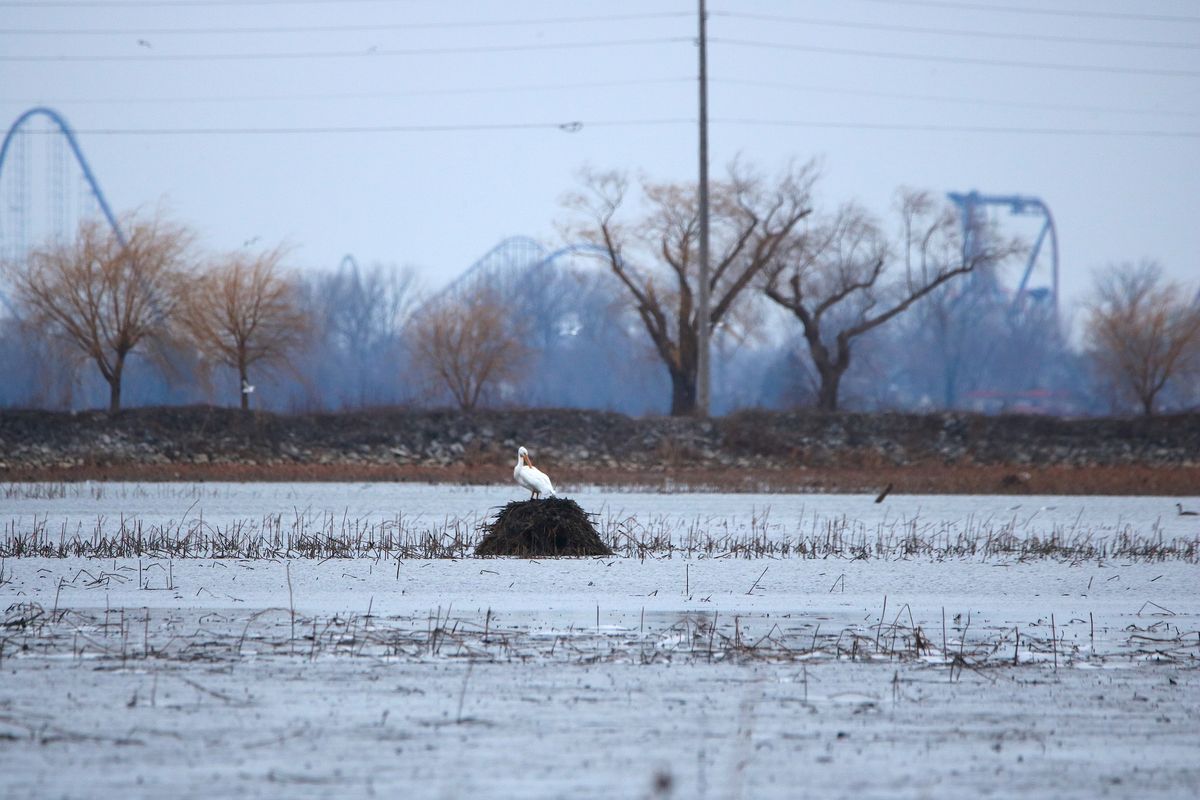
{"points": [[706, 677]]}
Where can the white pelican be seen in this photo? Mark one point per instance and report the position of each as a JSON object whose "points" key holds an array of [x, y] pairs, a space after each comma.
{"points": [[530, 477]]}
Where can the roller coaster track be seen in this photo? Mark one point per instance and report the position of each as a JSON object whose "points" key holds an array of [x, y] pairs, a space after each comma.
{"points": [[515, 252], [971, 205], [64, 129]]}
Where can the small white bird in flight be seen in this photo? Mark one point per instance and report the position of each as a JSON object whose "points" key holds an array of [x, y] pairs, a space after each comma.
{"points": [[530, 477]]}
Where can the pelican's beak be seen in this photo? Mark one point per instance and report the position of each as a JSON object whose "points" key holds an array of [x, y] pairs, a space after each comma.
{"points": [[528, 463]]}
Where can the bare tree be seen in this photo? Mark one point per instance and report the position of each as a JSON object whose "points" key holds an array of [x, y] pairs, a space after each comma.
{"points": [[656, 259], [363, 312], [1144, 331], [468, 343], [108, 298], [836, 278], [243, 312]]}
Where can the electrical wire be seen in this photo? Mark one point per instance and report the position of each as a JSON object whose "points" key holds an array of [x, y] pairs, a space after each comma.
{"points": [[571, 126], [514, 89], [178, 3], [343, 28], [960, 60], [939, 98], [575, 126], [373, 52], [1046, 12], [987, 129], [959, 32], [621, 84]]}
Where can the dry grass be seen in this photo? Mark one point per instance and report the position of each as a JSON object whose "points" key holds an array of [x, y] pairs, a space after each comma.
{"points": [[121, 637], [322, 535]]}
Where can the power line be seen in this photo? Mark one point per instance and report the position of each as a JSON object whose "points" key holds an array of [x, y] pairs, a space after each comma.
{"points": [[961, 32], [939, 98], [988, 62], [985, 129], [943, 4], [1047, 12], [577, 125], [344, 28], [176, 3], [372, 52], [572, 126], [224, 98], [584, 85]]}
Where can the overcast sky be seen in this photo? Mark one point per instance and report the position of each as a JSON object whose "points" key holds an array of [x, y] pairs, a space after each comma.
{"points": [[425, 131]]}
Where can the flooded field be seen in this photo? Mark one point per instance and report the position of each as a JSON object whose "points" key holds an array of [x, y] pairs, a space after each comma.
{"points": [[920, 647]]}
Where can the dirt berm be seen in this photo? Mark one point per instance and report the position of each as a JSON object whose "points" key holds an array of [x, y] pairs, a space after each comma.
{"points": [[806, 450]]}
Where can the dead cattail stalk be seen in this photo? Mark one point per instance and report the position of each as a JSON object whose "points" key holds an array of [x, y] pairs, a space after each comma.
{"points": [[879, 627], [1054, 641], [462, 695], [759, 578], [291, 604], [943, 630]]}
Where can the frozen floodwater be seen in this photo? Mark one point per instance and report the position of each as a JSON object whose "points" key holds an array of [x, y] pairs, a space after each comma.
{"points": [[86, 505], [410, 520], [705, 676]]}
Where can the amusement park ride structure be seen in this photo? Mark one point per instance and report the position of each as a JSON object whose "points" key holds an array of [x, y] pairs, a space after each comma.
{"points": [[516, 253], [14, 224], [973, 206]]}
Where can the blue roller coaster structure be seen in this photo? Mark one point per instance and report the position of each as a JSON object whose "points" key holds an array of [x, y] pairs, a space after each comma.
{"points": [[68, 135], [516, 253], [973, 205], [15, 214]]}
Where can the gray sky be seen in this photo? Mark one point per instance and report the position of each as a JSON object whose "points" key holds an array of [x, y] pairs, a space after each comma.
{"points": [[1093, 105]]}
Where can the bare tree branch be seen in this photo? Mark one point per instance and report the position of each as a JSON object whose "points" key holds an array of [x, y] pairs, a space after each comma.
{"points": [[469, 343], [243, 312], [107, 298], [1144, 331], [842, 264], [751, 220]]}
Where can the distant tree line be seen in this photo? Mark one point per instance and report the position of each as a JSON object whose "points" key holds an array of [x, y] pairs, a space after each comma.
{"points": [[810, 308]]}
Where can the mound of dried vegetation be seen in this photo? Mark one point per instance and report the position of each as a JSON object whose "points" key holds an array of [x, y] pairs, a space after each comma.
{"points": [[540, 528]]}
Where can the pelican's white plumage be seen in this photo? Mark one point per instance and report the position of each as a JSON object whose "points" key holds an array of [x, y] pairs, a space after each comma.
{"points": [[530, 477]]}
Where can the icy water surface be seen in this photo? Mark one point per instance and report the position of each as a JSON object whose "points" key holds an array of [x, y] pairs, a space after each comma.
{"points": [[88, 506], [688, 674]]}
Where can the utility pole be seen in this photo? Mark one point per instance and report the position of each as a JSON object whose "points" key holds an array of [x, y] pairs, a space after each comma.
{"points": [[702, 316]]}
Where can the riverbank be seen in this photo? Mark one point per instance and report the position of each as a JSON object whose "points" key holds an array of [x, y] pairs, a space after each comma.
{"points": [[749, 451]]}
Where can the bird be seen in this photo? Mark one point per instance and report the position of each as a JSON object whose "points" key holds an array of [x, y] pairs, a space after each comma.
{"points": [[530, 477], [246, 387], [1186, 513]]}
